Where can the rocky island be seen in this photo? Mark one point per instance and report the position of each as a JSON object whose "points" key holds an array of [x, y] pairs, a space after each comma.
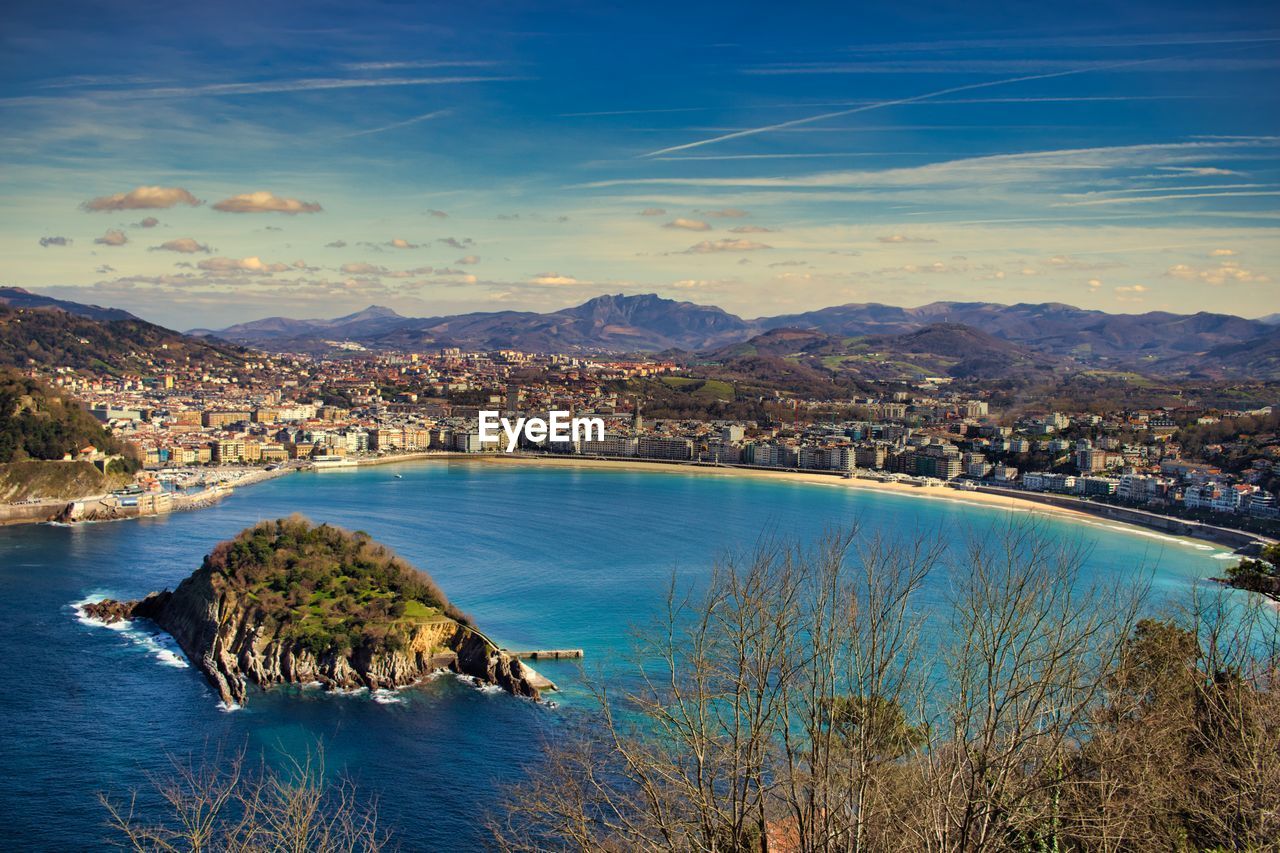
{"points": [[287, 601]]}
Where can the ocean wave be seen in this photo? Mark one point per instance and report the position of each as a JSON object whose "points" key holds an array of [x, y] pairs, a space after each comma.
{"points": [[228, 707], [476, 683], [347, 691], [83, 617], [387, 697], [158, 644]]}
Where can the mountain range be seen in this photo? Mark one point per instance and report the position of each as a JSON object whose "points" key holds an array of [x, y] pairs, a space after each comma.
{"points": [[981, 341], [982, 337]]}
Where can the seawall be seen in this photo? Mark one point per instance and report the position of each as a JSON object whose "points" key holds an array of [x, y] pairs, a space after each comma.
{"points": [[1227, 536]]}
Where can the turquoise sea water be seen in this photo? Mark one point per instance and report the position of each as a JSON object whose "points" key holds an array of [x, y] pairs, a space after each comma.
{"points": [[541, 557]]}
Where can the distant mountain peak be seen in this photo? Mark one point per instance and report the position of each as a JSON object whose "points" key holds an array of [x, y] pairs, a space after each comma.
{"points": [[373, 312]]}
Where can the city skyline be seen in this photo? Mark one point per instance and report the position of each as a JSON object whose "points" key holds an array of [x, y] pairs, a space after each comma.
{"points": [[206, 166]]}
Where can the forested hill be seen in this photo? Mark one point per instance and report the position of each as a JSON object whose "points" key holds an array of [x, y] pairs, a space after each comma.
{"points": [[38, 423], [52, 336]]}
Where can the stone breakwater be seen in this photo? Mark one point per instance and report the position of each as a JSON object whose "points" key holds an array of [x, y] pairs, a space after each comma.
{"points": [[234, 645]]}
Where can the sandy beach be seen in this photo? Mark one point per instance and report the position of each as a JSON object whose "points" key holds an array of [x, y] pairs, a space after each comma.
{"points": [[944, 493], [1009, 503]]}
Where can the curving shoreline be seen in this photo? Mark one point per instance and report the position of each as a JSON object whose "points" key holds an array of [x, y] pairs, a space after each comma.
{"points": [[1008, 500], [1060, 506]]}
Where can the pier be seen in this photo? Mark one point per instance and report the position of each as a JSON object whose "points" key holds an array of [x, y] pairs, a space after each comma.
{"points": [[546, 654]]}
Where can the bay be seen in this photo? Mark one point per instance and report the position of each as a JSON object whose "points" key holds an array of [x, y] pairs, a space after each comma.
{"points": [[541, 557]]}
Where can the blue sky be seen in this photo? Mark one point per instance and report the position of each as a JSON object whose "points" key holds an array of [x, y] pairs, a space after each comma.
{"points": [[202, 164]]}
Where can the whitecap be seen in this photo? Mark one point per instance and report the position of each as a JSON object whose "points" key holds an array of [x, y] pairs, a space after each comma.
{"points": [[348, 691], [387, 697], [161, 646], [228, 707], [83, 617]]}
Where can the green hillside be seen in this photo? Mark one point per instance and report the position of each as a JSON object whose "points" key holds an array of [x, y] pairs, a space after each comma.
{"points": [[49, 337], [39, 423]]}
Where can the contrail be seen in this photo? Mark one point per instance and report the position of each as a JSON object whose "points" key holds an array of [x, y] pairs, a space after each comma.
{"points": [[896, 102], [405, 123]]}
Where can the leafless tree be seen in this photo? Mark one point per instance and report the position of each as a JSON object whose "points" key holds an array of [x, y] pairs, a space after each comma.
{"points": [[1029, 646], [214, 803], [767, 710]]}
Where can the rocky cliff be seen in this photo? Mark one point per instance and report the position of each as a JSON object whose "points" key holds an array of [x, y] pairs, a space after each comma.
{"points": [[236, 633]]}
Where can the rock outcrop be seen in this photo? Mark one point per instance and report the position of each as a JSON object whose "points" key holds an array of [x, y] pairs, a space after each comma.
{"points": [[235, 640], [232, 649]]}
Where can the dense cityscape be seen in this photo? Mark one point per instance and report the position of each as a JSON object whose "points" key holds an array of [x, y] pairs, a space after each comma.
{"points": [[283, 410]]}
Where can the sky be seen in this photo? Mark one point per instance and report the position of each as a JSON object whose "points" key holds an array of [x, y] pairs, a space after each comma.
{"points": [[212, 163]]}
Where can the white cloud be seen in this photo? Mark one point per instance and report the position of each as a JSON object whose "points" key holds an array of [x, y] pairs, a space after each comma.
{"points": [[710, 246], [688, 224], [1222, 253], [261, 87], [1227, 272], [141, 198], [1130, 293], [553, 278], [401, 243], [469, 259], [990, 169], [936, 266], [1094, 283], [149, 222], [251, 266], [362, 268], [1066, 262], [1193, 171], [113, 237], [904, 238], [183, 245], [265, 202]]}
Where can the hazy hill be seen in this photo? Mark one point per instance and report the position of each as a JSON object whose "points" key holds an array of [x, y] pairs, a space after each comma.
{"points": [[1094, 337], [17, 297], [1036, 337], [617, 323], [372, 321], [58, 336], [1156, 342], [941, 349]]}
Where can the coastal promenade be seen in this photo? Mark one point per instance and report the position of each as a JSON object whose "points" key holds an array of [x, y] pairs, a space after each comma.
{"points": [[1237, 539]]}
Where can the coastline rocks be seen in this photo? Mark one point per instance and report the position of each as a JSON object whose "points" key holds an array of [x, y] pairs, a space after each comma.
{"points": [[233, 646]]}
